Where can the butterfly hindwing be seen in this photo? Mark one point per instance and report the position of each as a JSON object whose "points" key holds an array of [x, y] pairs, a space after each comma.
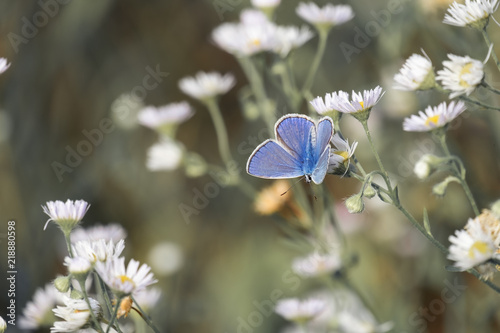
{"points": [[323, 136], [271, 160], [319, 172]]}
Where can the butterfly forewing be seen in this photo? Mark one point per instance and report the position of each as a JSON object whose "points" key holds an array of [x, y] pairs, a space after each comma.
{"points": [[271, 160], [324, 135], [293, 132]]}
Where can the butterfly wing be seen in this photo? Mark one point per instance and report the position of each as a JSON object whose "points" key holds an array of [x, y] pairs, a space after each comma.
{"points": [[320, 172], [323, 136], [293, 131], [271, 160]]}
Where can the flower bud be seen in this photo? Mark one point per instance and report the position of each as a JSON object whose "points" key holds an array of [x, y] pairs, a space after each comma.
{"points": [[426, 165], [354, 204], [495, 209], [369, 192], [78, 267], [62, 283], [440, 188]]}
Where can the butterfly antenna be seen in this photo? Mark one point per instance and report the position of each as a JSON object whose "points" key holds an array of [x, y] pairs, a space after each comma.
{"points": [[292, 186]]}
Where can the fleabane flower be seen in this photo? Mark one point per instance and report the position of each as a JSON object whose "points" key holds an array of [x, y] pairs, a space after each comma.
{"points": [[125, 280], [79, 267], [434, 117], [65, 214], [164, 155], [317, 264], [76, 314], [242, 40], [340, 155], [461, 75], [38, 312], [416, 74], [299, 311], [477, 243], [112, 231], [474, 13], [327, 16], [163, 116], [359, 105], [207, 85], [98, 250], [4, 65], [290, 38]]}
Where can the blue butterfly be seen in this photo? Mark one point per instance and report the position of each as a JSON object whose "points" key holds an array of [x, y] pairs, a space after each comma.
{"points": [[301, 148]]}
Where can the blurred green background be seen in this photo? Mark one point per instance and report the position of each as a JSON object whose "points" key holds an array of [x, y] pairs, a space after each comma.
{"points": [[65, 76]]}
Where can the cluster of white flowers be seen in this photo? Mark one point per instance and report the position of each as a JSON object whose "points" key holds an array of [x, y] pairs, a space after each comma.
{"points": [[96, 249]]}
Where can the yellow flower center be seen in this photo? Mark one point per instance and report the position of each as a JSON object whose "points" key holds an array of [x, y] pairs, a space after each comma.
{"points": [[465, 70], [255, 42], [362, 104], [434, 120], [344, 154], [478, 246], [124, 278]]}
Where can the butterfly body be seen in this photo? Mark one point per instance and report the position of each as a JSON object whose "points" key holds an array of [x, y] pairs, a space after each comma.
{"points": [[301, 149]]}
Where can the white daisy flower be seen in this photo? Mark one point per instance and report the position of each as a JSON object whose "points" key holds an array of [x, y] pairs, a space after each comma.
{"points": [[245, 39], [3, 325], [76, 314], [477, 243], [461, 75], [323, 107], [66, 214], [340, 155], [474, 13], [170, 114], [113, 231], [165, 155], [38, 312], [147, 298], [359, 102], [299, 311], [4, 65], [290, 38], [125, 280], [78, 266], [317, 264], [207, 85], [265, 3], [434, 117], [416, 74], [99, 250], [329, 15], [345, 312]]}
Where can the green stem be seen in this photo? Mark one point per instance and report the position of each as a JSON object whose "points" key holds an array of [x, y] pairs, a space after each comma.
{"points": [[81, 282], [113, 318], [258, 90], [67, 237], [377, 157], [486, 106], [320, 51], [102, 290], [490, 88], [220, 129], [488, 43], [145, 316], [459, 173]]}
